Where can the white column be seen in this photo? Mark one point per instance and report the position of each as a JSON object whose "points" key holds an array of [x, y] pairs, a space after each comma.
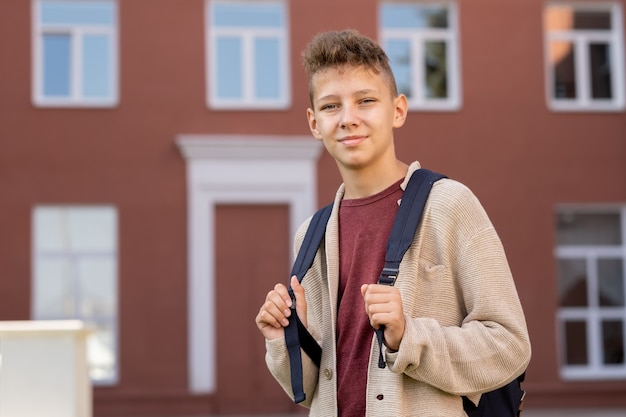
{"points": [[43, 369]]}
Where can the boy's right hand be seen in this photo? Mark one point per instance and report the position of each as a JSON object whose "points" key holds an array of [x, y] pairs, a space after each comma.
{"points": [[273, 315]]}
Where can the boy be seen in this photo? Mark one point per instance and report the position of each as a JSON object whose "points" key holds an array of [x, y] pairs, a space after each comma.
{"points": [[453, 323]]}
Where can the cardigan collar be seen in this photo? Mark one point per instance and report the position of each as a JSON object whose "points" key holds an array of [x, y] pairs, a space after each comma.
{"points": [[414, 166]]}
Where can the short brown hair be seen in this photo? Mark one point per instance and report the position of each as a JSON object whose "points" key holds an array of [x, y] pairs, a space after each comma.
{"points": [[346, 48]]}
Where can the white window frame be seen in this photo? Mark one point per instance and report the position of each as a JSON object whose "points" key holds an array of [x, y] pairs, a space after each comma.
{"points": [[77, 32], [581, 40], [73, 256], [417, 38], [593, 314], [247, 35]]}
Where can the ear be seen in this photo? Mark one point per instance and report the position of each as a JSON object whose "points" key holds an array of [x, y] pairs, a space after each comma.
{"points": [[310, 115], [401, 109]]}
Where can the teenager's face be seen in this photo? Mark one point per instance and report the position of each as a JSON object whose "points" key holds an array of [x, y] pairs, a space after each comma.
{"points": [[354, 114]]}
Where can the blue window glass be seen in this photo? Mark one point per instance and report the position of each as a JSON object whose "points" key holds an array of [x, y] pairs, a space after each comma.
{"points": [[229, 68], [56, 65], [267, 75], [74, 13], [233, 15], [413, 16], [96, 64], [399, 52]]}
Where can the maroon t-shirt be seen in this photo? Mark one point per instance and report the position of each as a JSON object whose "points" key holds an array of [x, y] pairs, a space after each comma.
{"points": [[364, 227]]}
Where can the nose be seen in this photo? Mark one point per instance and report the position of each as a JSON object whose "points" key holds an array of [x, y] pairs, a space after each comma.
{"points": [[349, 117]]}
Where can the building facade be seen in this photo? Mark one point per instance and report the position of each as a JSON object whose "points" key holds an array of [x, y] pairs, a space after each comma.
{"points": [[155, 161]]}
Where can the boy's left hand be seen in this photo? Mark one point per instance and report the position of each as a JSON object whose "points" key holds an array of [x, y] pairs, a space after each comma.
{"points": [[383, 305]]}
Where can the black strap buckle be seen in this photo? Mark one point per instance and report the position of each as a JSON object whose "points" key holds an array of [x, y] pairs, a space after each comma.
{"points": [[388, 276]]}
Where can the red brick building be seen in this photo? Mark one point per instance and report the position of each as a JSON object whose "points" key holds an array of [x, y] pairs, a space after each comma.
{"points": [[155, 161]]}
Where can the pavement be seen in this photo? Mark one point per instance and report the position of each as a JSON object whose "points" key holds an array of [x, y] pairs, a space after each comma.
{"points": [[578, 412], [590, 412]]}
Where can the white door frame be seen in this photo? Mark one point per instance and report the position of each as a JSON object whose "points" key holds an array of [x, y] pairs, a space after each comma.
{"points": [[225, 169]]}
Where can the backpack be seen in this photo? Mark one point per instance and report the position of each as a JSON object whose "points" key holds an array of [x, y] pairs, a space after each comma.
{"points": [[503, 402]]}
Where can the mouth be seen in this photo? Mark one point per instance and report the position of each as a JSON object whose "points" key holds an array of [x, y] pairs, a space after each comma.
{"points": [[352, 140]]}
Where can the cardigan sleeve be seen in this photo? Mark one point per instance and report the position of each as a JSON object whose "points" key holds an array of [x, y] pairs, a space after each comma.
{"points": [[488, 346]]}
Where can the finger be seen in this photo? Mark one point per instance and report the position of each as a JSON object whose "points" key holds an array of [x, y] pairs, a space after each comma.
{"points": [[301, 306], [279, 301], [282, 291], [382, 294], [364, 288], [273, 315], [265, 319], [270, 329], [387, 313], [279, 304], [298, 290], [381, 289]]}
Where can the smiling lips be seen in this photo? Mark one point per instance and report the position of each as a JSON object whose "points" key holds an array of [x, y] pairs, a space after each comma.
{"points": [[352, 140]]}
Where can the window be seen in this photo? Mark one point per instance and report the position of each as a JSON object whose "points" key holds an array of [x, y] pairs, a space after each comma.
{"points": [[421, 40], [584, 57], [75, 53], [590, 256], [247, 55], [75, 277]]}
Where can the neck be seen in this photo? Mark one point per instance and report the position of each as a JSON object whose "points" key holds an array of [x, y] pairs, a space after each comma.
{"points": [[364, 183]]}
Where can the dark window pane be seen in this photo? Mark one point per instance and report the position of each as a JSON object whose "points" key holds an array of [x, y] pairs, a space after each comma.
{"points": [[436, 69], [613, 341], [399, 52], [562, 59], [588, 229], [592, 20], [611, 281], [600, 62], [576, 343], [566, 18], [572, 283]]}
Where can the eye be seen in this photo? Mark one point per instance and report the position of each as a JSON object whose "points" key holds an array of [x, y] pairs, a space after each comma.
{"points": [[368, 101], [328, 107]]}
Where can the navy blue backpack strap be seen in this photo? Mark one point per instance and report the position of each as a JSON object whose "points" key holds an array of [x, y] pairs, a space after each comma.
{"points": [[296, 335], [403, 232]]}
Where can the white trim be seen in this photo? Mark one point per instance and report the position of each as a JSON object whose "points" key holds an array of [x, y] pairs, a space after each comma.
{"points": [[235, 169]]}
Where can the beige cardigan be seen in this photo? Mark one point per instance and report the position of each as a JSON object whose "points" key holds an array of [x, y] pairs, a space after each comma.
{"points": [[465, 333]]}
